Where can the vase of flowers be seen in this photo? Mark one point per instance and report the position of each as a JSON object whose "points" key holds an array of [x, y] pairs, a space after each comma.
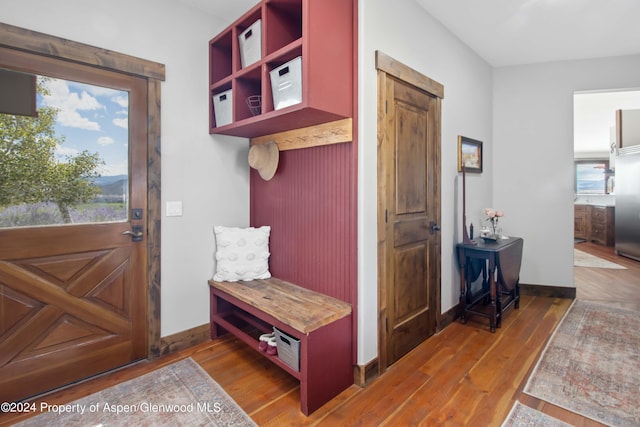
{"points": [[493, 216]]}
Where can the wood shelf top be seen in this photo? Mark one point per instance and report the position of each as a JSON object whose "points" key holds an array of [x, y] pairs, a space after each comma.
{"points": [[302, 309], [323, 134]]}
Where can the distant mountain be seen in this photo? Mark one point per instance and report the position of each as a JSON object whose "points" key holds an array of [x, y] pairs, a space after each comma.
{"points": [[106, 180], [117, 188], [113, 188]]}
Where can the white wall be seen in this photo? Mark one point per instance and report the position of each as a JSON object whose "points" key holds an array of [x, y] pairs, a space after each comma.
{"points": [[533, 155], [209, 174], [404, 31]]}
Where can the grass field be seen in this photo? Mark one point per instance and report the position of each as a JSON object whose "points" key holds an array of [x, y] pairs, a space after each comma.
{"points": [[48, 214]]}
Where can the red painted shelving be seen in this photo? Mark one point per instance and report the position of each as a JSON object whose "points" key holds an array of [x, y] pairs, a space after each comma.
{"points": [[320, 31]]}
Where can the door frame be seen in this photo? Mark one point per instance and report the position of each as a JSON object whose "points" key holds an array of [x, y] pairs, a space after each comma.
{"points": [[154, 73], [387, 66]]}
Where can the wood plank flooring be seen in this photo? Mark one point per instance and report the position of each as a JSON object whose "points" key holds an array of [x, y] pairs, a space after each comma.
{"points": [[463, 376], [602, 284]]}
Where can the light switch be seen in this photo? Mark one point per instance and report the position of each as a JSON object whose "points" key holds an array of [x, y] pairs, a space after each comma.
{"points": [[174, 208]]}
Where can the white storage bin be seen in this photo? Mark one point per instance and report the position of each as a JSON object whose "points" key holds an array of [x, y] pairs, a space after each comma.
{"points": [[286, 84], [251, 44], [223, 107], [288, 349]]}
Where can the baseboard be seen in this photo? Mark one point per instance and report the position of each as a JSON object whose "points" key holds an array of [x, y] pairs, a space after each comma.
{"points": [[548, 291], [185, 339], [363, 375], [448, 317]]}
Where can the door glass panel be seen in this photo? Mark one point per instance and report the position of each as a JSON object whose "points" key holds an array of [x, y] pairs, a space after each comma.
{"points": [[68, 165]]}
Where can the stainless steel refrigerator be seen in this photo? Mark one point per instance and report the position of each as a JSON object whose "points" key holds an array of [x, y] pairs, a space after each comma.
{"points": [[627, 191]]}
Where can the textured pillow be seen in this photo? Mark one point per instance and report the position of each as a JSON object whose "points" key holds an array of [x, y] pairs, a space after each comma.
{"points": [[241, 253]]}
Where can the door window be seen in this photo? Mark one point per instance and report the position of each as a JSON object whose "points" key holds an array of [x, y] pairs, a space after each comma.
{"points": [[68, 164]]}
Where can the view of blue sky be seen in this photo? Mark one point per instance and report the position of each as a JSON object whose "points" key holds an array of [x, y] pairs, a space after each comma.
{"points": [[91, 118]]}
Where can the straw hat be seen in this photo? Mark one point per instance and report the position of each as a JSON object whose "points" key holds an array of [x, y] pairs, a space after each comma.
{"points": [[264, 158]]}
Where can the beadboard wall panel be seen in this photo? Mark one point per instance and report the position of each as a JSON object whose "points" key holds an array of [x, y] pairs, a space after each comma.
{"points": [[310, 205]]}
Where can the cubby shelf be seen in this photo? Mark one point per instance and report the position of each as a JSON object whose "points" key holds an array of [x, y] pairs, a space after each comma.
{"points": [[319, 31]]}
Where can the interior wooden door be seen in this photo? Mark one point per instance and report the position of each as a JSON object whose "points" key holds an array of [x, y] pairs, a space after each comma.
{"points": [[73, 297], [409, 172]]}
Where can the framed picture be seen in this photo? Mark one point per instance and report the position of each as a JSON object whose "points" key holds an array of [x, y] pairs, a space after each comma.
{"points": [[469, 155]]}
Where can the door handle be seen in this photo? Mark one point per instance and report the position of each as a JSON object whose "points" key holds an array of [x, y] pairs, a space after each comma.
{"points": [[434, 227], [135, 233]]}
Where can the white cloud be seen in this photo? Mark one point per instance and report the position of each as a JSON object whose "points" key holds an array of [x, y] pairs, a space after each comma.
{"points": [[94, 90], [105, 140], [123, 123], [73, 119], [70, 104], [122, 101]]}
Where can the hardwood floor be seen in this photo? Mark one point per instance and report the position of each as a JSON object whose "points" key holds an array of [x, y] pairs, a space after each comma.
{"points": [[619, 286], [463, 376]]}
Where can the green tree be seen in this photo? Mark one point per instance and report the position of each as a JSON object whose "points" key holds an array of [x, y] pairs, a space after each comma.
{"points": [[29, 171]]}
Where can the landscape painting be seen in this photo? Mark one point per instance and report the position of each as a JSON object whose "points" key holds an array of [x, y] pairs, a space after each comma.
{"points": [[469, 155]]}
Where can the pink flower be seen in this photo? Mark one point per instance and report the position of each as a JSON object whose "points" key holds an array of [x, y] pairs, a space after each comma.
{"points": [[492, 213], [489, 212], [493, 216]]}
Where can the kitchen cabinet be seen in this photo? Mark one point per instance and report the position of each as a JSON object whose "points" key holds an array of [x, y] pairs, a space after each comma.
{"points": [[594, 223], [580, 222], [602, 225], [320, 32]]}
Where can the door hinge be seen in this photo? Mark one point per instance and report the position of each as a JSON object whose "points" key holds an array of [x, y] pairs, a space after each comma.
{"points": [[386, 216], [386, 106], [387, 324]]}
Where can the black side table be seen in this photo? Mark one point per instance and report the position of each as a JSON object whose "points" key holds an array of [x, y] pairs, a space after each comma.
{"points": [[501, 258]]}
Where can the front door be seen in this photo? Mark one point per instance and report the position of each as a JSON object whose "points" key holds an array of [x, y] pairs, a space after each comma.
{"points": [[73, 288], [409, 212]]}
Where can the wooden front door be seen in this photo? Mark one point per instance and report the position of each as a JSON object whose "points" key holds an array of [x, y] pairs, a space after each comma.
{"points": [[73, 297], [409, 209]]}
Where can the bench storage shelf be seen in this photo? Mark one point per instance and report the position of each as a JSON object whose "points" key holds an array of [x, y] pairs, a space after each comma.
{"points": [[322, 324]]}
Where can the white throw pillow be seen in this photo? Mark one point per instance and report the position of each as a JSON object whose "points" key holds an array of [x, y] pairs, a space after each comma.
{"points": [[241, 253]]}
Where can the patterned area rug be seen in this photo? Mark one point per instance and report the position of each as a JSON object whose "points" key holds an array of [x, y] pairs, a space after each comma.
{"points": [[583, 259], [521, 415], [180, 394], [591, 365]]}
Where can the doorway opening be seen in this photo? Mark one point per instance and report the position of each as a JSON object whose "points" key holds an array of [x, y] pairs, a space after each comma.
{"points": [[596, 147]]}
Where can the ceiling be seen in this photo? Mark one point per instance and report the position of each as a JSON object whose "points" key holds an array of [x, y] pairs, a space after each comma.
{"points": [[513, 32], [227, 10]]}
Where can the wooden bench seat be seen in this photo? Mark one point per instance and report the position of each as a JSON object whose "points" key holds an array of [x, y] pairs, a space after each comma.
{"points": [[322, 324], [300, 308]]}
